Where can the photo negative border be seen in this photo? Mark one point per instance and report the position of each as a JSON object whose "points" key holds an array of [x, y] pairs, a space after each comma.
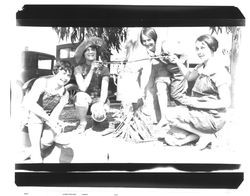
{"points": [[124, 174]]}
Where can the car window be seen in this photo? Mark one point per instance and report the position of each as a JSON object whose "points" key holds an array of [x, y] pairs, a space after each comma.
{"points": [[44, 64], [66, 53]]}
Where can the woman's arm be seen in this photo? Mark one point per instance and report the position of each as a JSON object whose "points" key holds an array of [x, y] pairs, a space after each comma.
{"points": [[83, 83], [189, 74], [32, 97], [145, 76], [31, 104], [173, 58], [225, 95], [209, 102], [104, 89]]}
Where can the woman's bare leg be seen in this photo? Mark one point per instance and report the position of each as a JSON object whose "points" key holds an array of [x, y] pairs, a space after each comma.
{"points": [[35, 132], [190, 138], [162, 95], [204, 138], [179, 137], [179, 117], [47, 138], [82, 106], [81, 112]]}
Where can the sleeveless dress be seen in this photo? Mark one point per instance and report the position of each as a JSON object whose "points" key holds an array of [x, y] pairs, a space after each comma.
{"points": [[93, 91], [48, 102]]}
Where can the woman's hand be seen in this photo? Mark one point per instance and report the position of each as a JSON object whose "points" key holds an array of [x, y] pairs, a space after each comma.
{"points": [[206, 98], [98, 111], [56, 125], [172, 58], [78, 70], [95, 65], [139, 103]]}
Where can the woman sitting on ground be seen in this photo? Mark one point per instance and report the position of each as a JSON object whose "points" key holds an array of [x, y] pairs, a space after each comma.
{"points": [[204, 112], [44, 103], [92, 79]]}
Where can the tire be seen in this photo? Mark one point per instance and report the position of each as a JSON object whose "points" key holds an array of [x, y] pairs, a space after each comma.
{"points": [[72, 89]]}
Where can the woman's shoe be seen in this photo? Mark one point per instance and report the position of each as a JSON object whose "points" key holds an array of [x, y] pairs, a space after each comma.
{"points": [[162, 123], [171, 140], [160, 132], [36, 158], [81, 128], [205, 141], [63, 138]]}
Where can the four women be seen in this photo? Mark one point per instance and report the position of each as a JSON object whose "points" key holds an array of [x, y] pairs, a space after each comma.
{"points": [[197, 117]]}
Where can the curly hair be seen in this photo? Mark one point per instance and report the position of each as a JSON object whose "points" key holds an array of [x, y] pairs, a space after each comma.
{"points": [[62, 65]]}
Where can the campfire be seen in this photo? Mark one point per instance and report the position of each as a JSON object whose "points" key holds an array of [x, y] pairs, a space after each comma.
{"points": [[132, 125]]}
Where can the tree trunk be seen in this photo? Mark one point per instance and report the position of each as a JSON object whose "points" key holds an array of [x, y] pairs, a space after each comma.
{"points": [[236, 38]]}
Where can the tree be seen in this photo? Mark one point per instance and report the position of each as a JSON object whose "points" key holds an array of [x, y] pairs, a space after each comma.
{"points": [[113, 36], [235, 50]]}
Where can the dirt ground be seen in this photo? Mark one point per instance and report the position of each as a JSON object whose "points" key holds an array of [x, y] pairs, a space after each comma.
{"points": [[96, 145]]}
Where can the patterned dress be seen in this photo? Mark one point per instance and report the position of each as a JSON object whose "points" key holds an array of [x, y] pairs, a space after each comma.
{"points": [[48, 102]]}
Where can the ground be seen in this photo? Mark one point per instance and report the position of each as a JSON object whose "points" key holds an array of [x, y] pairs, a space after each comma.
{"points": [[97, 146]]}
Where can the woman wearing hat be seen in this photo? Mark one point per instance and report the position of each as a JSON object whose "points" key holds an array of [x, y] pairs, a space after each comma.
{"points": [[92, 80]]}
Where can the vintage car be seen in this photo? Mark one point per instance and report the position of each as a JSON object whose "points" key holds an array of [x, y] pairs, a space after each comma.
{"points": [[36, 64], [33, 65]]}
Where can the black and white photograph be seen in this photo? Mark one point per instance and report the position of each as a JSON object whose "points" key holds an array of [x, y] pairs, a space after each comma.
{"points": [[132, 97], [126, 94]]}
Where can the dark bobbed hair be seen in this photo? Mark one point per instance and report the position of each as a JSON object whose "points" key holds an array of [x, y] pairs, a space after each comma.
{"points": [[97, 52], [62, 65], [149, 32], [211, 41]]}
